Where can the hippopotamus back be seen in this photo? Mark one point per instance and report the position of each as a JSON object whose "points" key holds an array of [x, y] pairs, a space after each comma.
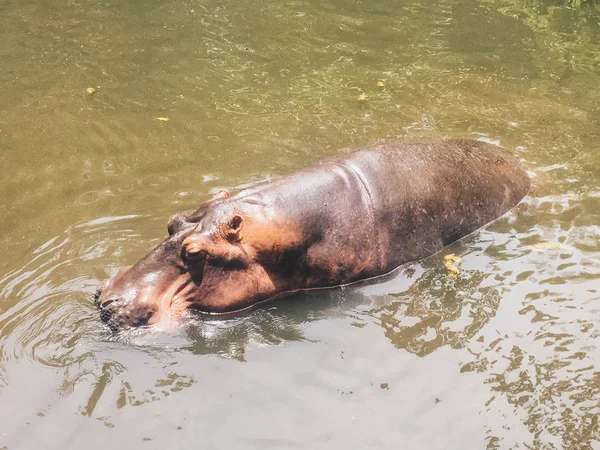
{"points": [[368, 212]]}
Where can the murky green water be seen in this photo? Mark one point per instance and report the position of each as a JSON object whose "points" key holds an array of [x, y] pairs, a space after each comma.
{"points": [[504, 356]]}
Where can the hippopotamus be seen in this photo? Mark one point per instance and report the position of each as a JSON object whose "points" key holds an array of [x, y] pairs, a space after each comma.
{"points": [[347, 219]]}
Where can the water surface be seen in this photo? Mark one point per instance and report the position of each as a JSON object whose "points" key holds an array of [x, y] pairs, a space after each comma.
{"points": [[503, 356]]}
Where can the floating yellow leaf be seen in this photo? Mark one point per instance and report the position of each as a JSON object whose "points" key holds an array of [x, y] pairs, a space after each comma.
{"points": [[363, 97], [380, 84], [452, 257], [543, 246], [450, 262], [162, 119], [90, 91]]}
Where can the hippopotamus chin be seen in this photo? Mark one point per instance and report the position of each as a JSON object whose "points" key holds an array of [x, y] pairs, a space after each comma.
{"points": [[345, 220]]}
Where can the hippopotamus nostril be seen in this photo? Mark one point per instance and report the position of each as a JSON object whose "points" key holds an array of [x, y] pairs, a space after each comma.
{"points": [[105, 304], [103, 301], [175, 223], [109, 308]]}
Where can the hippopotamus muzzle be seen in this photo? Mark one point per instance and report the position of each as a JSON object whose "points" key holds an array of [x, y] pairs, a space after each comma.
{"points": [[142, 295], [122, 307], [346, 220]]}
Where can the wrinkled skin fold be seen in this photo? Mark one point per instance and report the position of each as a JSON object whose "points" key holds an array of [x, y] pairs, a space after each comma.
{"points": [[347, 219]]}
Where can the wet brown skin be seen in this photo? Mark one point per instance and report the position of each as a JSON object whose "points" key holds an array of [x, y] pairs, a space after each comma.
{"points": [[347, 219]]}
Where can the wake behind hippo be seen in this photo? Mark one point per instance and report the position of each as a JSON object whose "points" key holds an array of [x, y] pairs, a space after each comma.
{"points": [[348, 219]]}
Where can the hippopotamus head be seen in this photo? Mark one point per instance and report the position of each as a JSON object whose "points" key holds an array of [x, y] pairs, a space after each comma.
{"points": [[208, 263]]}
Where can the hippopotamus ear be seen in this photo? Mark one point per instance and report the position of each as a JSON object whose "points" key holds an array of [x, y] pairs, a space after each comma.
{"points": [[222, 194], [175, 223], [234, 228]]}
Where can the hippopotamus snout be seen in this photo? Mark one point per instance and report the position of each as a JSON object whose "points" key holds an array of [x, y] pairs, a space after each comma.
{"points": [[110, 311], [117, 310], [119, 314]]}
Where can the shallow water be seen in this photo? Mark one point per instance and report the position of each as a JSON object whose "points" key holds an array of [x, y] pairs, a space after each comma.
{"points": [[503, 356]]}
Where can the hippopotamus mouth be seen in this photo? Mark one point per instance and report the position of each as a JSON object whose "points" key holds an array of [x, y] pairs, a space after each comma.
{"points": [[123, 311]]}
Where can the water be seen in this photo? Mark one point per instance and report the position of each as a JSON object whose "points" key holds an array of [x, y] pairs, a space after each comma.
{"points": [[503, 356]]}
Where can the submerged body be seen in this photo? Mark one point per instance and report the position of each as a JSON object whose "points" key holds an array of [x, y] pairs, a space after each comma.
{"points": [[345, 220]]}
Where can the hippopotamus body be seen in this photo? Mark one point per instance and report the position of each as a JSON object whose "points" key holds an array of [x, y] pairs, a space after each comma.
{"points": [[347, 219]]}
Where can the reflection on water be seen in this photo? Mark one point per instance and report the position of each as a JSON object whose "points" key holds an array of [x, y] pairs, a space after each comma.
{"points": [[501, 356], [451, 313]]}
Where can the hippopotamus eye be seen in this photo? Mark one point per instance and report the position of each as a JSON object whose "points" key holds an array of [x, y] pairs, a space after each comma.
{"points": [[193, 249]]}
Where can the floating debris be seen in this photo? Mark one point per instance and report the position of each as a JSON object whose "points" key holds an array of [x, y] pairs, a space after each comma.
{"points": [[450, 262], [362, 97], [543, 246], [90, 91], [380, 84], [162, 119]]}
